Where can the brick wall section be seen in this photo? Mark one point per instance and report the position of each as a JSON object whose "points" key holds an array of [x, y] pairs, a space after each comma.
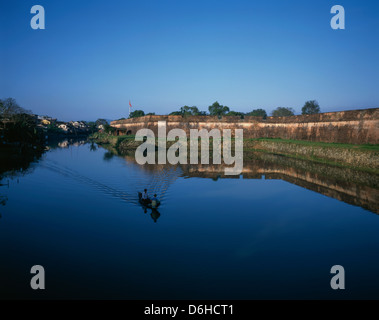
{"points": [[355, 126]]}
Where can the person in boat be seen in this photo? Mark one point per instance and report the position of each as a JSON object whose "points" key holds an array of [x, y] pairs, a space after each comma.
{"points": [[154, 201], [145, 197]]}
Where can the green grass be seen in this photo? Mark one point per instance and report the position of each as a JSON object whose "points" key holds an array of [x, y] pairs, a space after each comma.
{"points": [[314, 159], [374, 147], [115, 141], [371, 147]]}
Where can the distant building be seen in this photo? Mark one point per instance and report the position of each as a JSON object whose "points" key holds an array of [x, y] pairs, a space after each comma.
{"points": [[41, 118], [64, 127]]}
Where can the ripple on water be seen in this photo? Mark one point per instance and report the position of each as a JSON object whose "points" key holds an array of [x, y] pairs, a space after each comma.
{"points": [[125, 186]]}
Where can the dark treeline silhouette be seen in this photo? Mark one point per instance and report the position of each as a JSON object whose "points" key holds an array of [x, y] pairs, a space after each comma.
{"points": [[18, 126], [217, 109]]}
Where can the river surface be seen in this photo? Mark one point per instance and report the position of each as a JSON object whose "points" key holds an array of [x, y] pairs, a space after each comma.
{"points": [[274, 232]]}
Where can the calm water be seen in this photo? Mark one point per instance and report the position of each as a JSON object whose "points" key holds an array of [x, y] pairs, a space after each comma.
{"points": [[274, 232]]}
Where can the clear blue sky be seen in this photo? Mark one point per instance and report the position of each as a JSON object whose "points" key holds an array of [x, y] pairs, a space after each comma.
{"points": [[95, 55]]}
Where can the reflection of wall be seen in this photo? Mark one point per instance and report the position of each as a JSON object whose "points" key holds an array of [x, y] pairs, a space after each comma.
{"points": [[356, 126], [354, 187]]}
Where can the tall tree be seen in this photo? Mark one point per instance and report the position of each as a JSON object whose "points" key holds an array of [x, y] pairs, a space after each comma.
{"points": [[235, 113], [175, 113], [217, 109], [136, 114], [23, 126], [101, 122], [188, 111], [258, 113], [283, 112], [311, 107], [9, 107]]}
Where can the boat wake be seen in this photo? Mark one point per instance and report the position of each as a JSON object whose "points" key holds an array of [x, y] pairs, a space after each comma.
{"points": [[159, 182]]}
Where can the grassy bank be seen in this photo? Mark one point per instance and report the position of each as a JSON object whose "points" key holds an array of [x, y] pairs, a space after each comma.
{"points": [[362, 157], [114, 141], [374, 147], [350, 155]]}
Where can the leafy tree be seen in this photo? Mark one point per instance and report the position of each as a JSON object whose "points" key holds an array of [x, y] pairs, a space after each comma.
{"points": [[136, 114], [9, 108], [188, 111], [193, 111], [175, 113], [53, 129], [22, 127], [283, 112], [101, 122], [92, 126], [150, 114], [258, 113], [235, 113], [109, 129], [218, 110], [311, 107]]}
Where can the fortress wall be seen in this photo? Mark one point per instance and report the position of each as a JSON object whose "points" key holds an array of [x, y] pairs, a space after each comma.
{"points": [[356, 126]]}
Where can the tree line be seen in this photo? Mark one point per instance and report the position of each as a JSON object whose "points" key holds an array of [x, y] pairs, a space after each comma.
{"points": [[18, 125], [216, 109]]}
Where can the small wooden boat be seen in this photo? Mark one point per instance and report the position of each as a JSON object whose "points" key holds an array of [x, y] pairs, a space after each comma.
{"points": [[147, 204]]}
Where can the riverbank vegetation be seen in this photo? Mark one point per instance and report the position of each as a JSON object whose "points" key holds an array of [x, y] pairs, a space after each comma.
{"points": [[362, 157], [18, 127], [23, 129], [24, 135], [335, 180]]}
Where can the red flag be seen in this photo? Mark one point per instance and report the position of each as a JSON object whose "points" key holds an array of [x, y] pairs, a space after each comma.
{"points": [[130, 104]]}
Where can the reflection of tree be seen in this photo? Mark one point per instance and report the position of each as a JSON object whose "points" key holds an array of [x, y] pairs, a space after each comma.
{"points": [[355, 187], [93, 146], [108, 156], [16, 162], [3, 200]]}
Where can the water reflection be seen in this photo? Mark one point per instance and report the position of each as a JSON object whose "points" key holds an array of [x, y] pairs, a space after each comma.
{"points": [[359, 188], [93, 146], [81, 207], [108, 156], [15, 163], [155, 215], [3, 201], [70, 142]]}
